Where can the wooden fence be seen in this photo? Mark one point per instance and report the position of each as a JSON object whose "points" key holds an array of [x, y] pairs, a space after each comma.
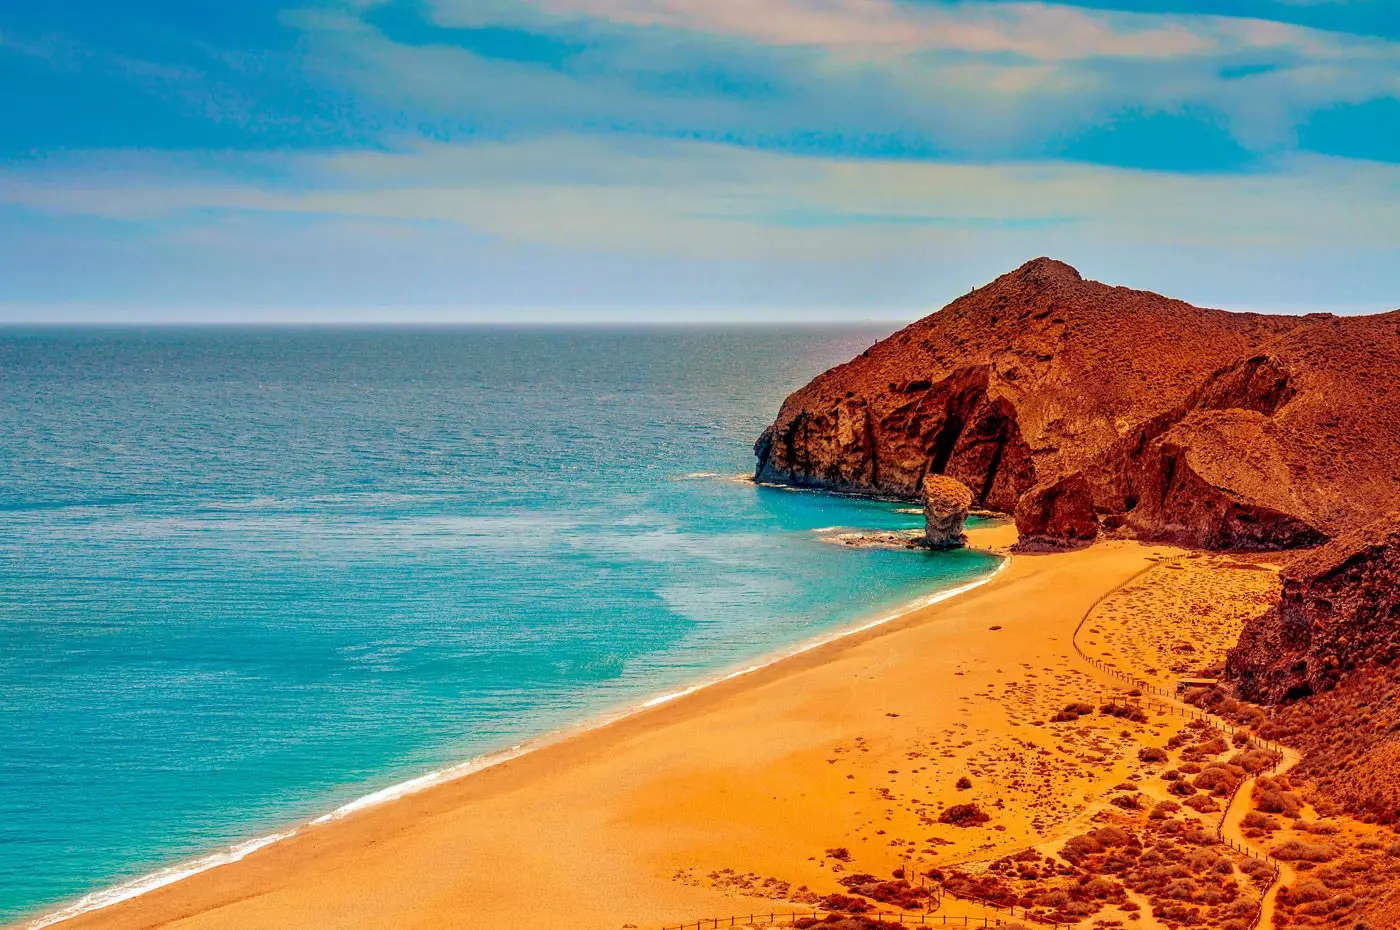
{"points": [[903, 919]]}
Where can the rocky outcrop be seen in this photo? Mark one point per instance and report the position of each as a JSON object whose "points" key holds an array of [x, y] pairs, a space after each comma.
{"points": [[1340, 612], [1084, 408], [947, 502], [1057, 514]]}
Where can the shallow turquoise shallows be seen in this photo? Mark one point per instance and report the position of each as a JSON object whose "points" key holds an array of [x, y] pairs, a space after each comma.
{"points": [[248, 576]]}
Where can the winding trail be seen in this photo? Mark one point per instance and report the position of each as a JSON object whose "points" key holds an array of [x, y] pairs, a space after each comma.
{"points": [[1232, 832], [1230, 829]]}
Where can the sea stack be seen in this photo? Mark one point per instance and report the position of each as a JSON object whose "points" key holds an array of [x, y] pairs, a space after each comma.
{"points": [[947, 502]]}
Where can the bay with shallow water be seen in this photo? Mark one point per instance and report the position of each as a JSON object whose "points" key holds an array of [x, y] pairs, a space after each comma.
{"points": [[247, 576]]}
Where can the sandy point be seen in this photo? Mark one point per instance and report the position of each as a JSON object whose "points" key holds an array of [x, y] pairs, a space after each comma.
{"points": [[752, 795]]}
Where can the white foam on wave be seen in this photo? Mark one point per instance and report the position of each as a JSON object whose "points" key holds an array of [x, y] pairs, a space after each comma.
{"points": [[158, 879], [716, 476], [423, 782], [168, 876]]}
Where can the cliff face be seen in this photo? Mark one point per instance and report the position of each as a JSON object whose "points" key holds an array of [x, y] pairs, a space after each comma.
{"points": [[1329, 652], [1340, 612], [1082, 407]]}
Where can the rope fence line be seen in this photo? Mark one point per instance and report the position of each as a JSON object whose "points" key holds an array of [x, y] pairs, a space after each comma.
{"points": [[903, 919]]}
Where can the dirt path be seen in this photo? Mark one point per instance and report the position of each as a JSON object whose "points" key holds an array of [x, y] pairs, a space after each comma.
{"points": [[1231, 830]]}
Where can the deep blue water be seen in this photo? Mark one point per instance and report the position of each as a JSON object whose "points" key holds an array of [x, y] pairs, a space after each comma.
{"points": [[246, 576]]}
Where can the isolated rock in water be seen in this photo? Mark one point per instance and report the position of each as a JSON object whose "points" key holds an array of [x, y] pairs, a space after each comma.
{"points": [[947, 502], [1057, 513]]}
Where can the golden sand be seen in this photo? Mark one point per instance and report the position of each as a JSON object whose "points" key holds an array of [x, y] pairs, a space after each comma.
{"points": [[728, 800]]}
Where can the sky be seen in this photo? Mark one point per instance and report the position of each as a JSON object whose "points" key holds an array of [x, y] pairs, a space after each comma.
{"points": [[687, 160]]}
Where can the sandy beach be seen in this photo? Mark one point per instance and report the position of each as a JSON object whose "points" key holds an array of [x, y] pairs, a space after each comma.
{"points": [[731, 800]]}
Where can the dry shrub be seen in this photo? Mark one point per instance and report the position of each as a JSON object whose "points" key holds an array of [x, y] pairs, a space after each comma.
{"points": [[843, 922], [845, 904], [1257, 869], [1152, 754], [1164, 809], [964, 815], [1299, 851], [1072, 712], [898, 893], [1202, 803], [1255, 760], [1219, 778], [1205, 749], [1271, 798], [1124, 712], [1310, 890]]}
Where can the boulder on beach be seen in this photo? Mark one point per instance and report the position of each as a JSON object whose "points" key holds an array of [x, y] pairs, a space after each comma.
{"points": [[947, 502]]}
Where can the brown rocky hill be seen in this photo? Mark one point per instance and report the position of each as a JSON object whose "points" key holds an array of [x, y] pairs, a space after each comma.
{"points": [[1328, 655], [1339, 614], [1081, 407]]}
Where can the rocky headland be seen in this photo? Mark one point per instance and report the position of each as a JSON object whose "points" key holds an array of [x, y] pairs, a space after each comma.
{"points": [[1087, 411], [1084, 409]]}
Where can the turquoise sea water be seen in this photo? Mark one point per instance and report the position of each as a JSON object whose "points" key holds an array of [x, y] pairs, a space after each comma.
{"points": [[247, 576]]}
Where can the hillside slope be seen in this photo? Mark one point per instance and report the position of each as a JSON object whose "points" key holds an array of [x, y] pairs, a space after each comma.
{"points": [[1082, 407]]}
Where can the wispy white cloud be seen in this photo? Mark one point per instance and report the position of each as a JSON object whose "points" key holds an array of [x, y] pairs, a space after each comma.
{"points": [[972, 79], [703, 201], [1044, 31]]}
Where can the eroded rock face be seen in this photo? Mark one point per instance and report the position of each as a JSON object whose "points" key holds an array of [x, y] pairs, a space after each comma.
{"points": [[947, 502], [1057, 513], [1178, 424], [1340, 612]]}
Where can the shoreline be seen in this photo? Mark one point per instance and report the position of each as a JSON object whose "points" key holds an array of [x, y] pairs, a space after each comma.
{"points": [[718, 803], [995, 539]]}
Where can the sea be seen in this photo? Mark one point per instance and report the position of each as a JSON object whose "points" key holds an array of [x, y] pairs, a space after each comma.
{"points": [[253, 577]]}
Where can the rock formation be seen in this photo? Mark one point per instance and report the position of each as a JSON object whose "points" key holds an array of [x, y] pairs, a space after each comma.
{"points": [[1061, 511], [1339, 613], [947, 502], [1081, 407]]}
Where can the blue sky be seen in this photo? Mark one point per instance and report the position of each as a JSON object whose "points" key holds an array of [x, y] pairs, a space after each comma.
{"points": [[439, 160]]}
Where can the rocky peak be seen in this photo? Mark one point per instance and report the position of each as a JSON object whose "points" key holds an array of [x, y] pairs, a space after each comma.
{"points": [[1047, 272]]}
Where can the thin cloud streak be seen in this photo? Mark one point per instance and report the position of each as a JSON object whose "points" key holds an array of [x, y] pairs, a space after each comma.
{"points": [[736, 204]]}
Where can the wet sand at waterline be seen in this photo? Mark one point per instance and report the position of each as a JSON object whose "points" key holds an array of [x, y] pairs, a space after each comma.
{"points": [[726, 801]]}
